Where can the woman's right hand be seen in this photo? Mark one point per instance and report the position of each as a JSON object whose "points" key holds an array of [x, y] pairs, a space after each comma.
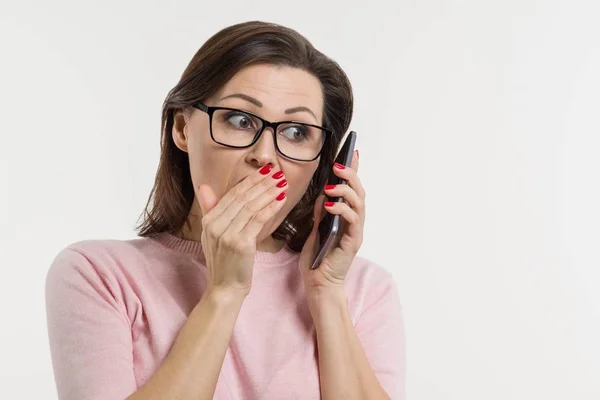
{"points": [[230, 227]]}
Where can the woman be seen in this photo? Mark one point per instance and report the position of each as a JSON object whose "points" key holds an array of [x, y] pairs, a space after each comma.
{"points": [[216, 300]]}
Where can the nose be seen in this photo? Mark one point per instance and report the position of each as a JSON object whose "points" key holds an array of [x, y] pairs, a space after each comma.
{"points": [[263, 151]]}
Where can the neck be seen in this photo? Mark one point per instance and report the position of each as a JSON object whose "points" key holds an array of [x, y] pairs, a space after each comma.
{"points": [[192, 230]]}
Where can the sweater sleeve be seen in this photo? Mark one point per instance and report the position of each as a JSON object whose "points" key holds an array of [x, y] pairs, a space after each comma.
{"points": [[89, 332], [380, 329]]}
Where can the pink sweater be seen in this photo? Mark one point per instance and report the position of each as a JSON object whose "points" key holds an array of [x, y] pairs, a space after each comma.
{"points": [[114, 309]]}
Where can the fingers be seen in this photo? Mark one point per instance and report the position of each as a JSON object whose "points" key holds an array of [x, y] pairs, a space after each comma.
{"points": [[349, 195], [257, 221], [344, 210], [350, 176], [352, 210], [353, 192], [355, 222], [257, 211], [239, 206], [244, 186]]}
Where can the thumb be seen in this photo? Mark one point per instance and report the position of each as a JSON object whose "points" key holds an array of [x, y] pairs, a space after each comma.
{"points": [[207, 198]]}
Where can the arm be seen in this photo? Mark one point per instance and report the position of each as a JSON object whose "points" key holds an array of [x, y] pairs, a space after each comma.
{"points": [[366, 361], [91, 344], [192, 368], [89, 332], [362, 362]]}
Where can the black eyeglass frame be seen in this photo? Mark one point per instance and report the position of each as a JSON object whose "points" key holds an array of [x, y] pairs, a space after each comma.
{"points": [[265, 124]]}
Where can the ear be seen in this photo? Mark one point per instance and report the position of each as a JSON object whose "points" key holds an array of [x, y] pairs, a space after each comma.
{"points": [[179, 130]]}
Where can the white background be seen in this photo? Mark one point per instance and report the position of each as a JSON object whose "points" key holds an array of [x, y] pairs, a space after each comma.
{"points": [[478, 128]]}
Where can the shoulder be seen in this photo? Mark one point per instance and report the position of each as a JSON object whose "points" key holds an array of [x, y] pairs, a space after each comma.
{"points": [[368, 285], [365, 273], [103, 259], [109, 248]]}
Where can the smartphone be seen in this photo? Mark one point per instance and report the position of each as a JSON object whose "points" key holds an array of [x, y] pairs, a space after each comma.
{"points": [[330, 226]]}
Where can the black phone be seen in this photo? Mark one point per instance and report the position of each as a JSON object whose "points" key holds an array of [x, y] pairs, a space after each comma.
{"points": [[331, 225]]}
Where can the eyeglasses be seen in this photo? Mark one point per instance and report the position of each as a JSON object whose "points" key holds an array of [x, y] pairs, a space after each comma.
{"points": [[239, 129]]}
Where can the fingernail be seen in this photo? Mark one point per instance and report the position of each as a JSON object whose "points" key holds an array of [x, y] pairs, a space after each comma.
{"points": [[278, 175], [329, 187], [266, 169], [281, 184], [281, 196], [339, 166], [357, 154], [329, 203]]}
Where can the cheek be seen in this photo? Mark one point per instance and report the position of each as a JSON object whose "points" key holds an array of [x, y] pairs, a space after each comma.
{"points": [[206, 165]]}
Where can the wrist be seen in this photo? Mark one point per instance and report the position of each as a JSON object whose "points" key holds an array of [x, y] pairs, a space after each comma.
{"points": [[224, 296], [327, 296]]}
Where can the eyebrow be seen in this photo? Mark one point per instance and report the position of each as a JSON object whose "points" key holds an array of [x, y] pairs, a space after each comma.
{"points": [[257, 103]]}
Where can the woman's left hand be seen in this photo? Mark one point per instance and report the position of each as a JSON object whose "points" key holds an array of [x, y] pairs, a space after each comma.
{"points": [[334, 267]]}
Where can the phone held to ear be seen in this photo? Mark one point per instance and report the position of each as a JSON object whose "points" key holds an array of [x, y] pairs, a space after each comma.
{"points": [[330, 226]]}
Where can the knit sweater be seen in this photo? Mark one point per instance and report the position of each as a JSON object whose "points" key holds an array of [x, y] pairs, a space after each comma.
{"points": [[114, 309]]}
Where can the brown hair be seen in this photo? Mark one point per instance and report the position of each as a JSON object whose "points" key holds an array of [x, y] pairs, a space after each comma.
{"points": [[215, 63]]}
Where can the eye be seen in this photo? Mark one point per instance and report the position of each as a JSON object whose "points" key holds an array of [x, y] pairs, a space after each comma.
{"points": [[295, 133], [240, 120]]}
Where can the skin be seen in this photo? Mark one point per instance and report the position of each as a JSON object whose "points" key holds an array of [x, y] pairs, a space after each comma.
{"points": [[221, 168], [234, 213]]}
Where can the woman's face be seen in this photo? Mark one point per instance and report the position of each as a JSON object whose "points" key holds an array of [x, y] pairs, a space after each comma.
{"points": [[267, 91]]}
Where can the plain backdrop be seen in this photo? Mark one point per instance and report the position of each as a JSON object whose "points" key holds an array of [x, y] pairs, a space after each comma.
{"points": [[478, 127]]}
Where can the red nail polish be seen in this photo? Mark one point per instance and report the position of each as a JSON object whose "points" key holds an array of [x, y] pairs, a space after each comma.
{"points": [[329, 187], [266, 169], [281, 196], [281, 184], [278, 175], [339, 166], [329, 203]]}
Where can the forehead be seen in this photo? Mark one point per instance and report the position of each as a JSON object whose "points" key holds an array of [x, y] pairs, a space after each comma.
{"points": [[278, 88]]}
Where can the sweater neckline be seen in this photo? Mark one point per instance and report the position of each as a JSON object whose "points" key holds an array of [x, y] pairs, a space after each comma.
{"points": [[192, 247]]}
